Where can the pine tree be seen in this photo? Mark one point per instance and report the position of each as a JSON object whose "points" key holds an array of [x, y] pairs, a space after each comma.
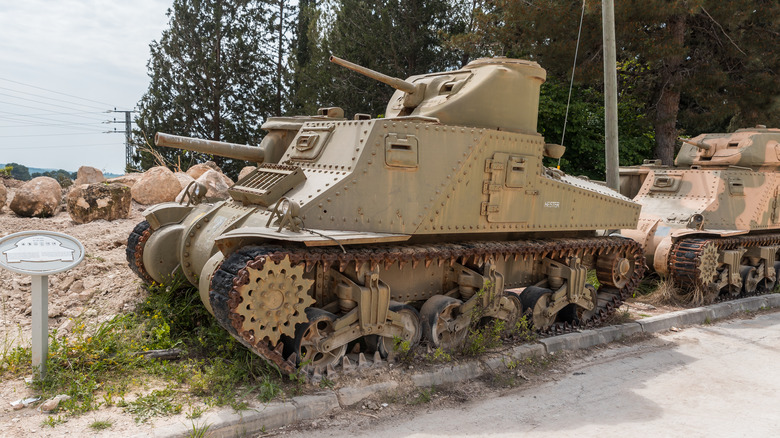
{"points": [[211, 77], [396, 37]]}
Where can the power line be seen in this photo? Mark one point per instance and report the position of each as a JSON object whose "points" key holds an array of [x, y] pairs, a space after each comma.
{"points": [[76, 146], [59, 114], [52, 135], [50, 98], [32, 124], [56, 92], [35, 118], [36, 108], [36, 101]]}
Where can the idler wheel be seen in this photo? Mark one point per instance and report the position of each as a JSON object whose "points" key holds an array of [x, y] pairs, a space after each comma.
{"points": [[580, 315], [535, 303], [439, 315], [413, 329], [615, 269], [274, 299], [308, 341]]}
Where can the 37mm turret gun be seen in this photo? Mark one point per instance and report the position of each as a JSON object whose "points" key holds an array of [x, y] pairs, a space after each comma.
{"points": [[414, 92]]}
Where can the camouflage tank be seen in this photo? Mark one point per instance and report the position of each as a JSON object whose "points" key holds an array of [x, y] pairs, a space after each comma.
{"points": [[401, 228], [711, 221]]}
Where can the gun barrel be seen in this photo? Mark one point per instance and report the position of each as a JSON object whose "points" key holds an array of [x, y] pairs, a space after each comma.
{"points": [[398, 84], [230, 150], [701, 146]]}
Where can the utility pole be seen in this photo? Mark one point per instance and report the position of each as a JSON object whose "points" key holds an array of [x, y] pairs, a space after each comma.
{"points": [[128, 130], [610, 94]]}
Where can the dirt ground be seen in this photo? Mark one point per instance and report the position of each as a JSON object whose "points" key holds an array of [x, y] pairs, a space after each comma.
{"points": [[103, 286]]}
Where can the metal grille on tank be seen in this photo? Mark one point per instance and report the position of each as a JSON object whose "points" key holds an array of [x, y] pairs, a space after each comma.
{"points": [[266, 184]]}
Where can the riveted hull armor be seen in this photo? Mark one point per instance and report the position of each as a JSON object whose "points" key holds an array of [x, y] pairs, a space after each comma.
{"points": [[403, 228]]}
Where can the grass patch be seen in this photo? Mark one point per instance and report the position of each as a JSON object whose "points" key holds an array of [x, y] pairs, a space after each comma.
{"points": [[423, 397], [157, 404], [100, 364], [100, 425]]}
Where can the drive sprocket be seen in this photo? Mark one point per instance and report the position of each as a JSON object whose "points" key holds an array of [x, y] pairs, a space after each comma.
{"points": [[274, 299]]}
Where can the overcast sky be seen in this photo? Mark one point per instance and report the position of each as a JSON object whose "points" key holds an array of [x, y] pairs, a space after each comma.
{"points": [[63, 64]]}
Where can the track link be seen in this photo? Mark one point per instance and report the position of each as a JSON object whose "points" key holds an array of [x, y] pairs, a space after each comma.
{"points": [[135, 250], [688, 267], [232, 274]]}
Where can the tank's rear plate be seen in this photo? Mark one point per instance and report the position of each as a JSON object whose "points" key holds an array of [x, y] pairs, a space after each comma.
{"points": [[316, 237]]}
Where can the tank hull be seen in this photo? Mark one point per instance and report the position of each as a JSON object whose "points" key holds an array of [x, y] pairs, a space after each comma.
{"points": [[389, 232]]}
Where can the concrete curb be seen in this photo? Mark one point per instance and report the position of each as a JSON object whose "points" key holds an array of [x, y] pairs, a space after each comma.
{"points": [[231, 424]]}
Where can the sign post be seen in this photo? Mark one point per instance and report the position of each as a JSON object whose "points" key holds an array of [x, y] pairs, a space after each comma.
{"points": [[40, 254]]}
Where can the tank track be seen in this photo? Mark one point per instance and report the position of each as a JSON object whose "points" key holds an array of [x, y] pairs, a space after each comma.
{"points": [[231, 274], [135, 250], [685, 261]]}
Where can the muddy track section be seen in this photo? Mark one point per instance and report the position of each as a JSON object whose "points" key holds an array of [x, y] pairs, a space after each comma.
{"points": [[232, 274], [685, 263]]}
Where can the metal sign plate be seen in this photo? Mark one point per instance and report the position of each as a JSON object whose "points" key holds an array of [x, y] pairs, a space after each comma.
{"points": [[40, 252]]}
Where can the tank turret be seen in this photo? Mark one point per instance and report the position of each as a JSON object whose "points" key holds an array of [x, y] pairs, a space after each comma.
{"points": [[756, 148], [494, 93], [712, 221], [402, 228]]}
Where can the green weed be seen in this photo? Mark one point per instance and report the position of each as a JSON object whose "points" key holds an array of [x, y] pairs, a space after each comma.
{"points": [[100, 424], [198, 431], [53, 421], [440, 355], [157, 403], [423, 397], [98, 364], [523, 330], [484, 337]]}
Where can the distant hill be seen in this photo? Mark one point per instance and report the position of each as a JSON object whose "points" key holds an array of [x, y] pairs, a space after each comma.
{"points": [[42, 170]]}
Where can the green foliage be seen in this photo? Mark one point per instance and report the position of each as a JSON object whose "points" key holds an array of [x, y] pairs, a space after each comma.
{"points": [[100, 424], [399, 38], [199, 431], [53, 421], [440, 355], [62, 176], [5, 171], [156, 404], [423, 397], [691, 67], [584, 138], [96, 365], [18, 171], [524, 330], [484, 337], [214, 75]]}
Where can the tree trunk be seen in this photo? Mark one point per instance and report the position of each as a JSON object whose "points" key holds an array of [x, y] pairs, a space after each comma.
{"points": [[279, 67], [668, 95]]}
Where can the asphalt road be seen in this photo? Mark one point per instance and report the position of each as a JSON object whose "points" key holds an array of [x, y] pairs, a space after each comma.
{"points": [[720, 380]]}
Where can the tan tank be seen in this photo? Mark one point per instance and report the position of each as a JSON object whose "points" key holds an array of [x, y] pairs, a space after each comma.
{"points": [[712, 220], [401, 228]]}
